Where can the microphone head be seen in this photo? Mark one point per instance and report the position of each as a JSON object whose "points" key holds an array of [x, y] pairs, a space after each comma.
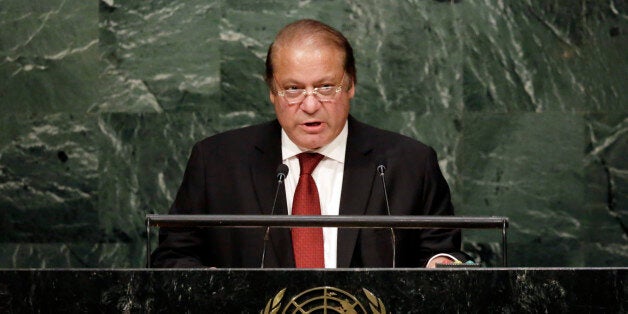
{"points": [[282, 171], [381, 168]]}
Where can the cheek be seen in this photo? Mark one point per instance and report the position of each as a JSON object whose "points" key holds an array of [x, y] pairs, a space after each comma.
{"points": [[280, 109], [341, 112], [284, 114]]}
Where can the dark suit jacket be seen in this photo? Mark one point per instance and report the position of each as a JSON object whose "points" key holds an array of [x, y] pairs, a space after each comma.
{"points": [[235, 173]]}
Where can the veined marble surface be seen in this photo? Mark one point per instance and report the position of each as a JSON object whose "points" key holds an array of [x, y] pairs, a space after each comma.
{"points": [[524, 101]]}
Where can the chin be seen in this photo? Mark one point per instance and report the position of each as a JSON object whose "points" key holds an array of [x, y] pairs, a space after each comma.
{"points": [[313, 142], [310, 146]]}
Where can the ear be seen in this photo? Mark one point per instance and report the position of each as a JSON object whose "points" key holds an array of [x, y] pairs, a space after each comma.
{"points": [[351, 90], [272, 96]]}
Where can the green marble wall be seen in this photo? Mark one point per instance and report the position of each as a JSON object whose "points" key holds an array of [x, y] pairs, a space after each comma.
{"points": [[525, 102]]}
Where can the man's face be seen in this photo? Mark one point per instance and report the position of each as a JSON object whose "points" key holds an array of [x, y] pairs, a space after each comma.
{"points": [[311, 123]]}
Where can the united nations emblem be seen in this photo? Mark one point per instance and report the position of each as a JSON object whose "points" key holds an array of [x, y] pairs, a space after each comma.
{"points": [[324, 300]]}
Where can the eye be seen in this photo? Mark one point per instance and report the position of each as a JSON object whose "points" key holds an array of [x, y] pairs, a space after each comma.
{"points": [[292, 87], [293, 92], [325, 89]]}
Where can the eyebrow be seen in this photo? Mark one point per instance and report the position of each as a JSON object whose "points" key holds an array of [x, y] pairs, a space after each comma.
{"points": [[318, 82]]}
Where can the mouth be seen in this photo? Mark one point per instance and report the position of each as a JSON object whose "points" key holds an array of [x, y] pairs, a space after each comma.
{"points": [[313, 127], [312, 124]]}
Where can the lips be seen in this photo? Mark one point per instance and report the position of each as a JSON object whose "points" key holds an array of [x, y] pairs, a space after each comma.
{"points": [[313, 127]]}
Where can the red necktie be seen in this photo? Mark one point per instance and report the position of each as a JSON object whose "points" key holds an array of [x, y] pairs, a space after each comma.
{"points": [[307, 243]]}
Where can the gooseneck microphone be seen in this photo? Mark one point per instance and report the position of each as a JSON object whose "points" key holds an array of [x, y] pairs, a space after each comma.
{"points": [[381, 169], [282, 172]]}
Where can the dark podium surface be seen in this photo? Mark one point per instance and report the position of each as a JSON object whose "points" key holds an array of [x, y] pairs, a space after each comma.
{"points": [[483, 290]]}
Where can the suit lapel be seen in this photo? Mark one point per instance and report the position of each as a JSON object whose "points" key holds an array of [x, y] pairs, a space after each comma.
{"points": [[359, 173], [266, 159], [358, 178]]}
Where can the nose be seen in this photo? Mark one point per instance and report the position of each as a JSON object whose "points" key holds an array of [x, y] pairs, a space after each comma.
{"points": [[310, 103]]}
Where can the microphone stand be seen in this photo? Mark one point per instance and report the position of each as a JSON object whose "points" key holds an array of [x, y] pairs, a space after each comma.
{"points": [[382, 169], [282, 172]]}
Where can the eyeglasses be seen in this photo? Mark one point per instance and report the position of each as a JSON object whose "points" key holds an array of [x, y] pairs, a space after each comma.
{"points": [[323, 93]]}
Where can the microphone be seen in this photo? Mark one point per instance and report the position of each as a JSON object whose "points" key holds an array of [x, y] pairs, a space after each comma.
{"points": [[381, 169], [282, 172]]}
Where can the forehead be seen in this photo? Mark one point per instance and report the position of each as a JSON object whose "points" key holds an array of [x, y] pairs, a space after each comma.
{"points": [[305, 61]]}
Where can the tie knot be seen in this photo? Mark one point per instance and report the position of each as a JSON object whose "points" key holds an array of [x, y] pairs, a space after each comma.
{"points": [[309, 161]]}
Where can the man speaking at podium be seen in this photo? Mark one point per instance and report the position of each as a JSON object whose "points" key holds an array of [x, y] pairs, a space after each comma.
{"points": [[335, 163]]}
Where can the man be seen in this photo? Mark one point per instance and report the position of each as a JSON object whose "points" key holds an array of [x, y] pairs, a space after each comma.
{"points": [[310, 71]]}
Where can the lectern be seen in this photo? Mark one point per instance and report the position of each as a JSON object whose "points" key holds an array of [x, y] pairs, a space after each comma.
{"points": [[364, 221], [382, 290], [333, 291]]}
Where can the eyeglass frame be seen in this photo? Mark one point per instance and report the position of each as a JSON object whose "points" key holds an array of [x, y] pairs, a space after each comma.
{"points": [[314, 92]]}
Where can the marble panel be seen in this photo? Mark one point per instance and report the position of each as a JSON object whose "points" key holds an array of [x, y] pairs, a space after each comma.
{"points": [[80, 252], [47, 29], [415, 65], [160, 55], [543, 56], [528, 167], [48, 57], [49, 180], [606, 169], [48, 187]]}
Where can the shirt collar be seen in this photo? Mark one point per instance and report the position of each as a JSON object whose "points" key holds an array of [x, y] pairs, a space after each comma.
{"points": [[334, 150]]}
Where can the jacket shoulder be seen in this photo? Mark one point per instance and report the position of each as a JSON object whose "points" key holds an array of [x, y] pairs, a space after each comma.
{"points": [[388, 140]]}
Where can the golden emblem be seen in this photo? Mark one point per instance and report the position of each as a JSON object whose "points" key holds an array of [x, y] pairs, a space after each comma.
{"points": [[324, 300]]}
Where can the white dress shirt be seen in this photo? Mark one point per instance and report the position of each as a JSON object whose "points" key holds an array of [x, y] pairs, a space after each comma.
{"points": [[328, 177]]}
